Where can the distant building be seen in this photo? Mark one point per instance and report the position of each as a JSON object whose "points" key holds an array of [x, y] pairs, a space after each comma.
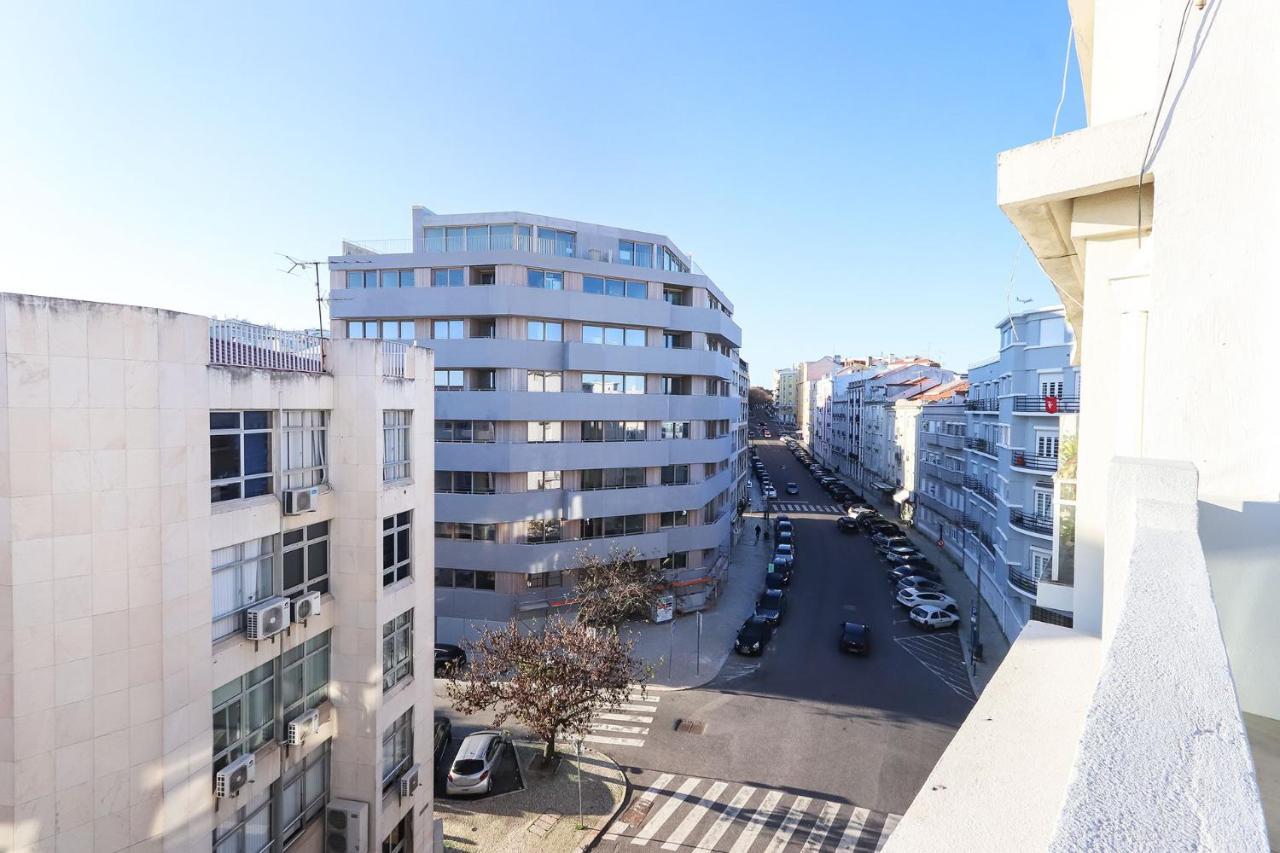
{"points": [[784, 394]]}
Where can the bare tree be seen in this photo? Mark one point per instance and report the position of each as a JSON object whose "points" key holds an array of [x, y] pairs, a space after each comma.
{"points": [[616, 587], [551, 681]]}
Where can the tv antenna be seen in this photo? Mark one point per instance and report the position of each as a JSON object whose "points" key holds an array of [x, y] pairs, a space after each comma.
{"points": [[294, 265]]}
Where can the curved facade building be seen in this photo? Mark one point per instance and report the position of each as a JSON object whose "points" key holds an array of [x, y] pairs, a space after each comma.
{"points": [[589, 395]]}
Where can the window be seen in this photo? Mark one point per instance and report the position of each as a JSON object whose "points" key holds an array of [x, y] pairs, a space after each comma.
{"points": [[379, 278], [397, 547], [544, 432], [304, 677], [635, 254], [244, 715], [675, 385], [484, 380], [304, 448], [397, 748], [464, 483], [241, 575], [1041, 566], [614, 287], [400, 839], [545, 330], [675, 429], [546, 279], [447, 277], [669, 261], [395, 444], [553, 242], [250, 832], [541, 481], [397, 650], [543, 580], [466, 530], [449, 380], [306, 560], [484, 329], [392, 330], [541, 530], [677, 518], [613, 431], [239, 455], [1051, 385], [303, 793], [546, 380], [675, 561], [612, 383], [1047, 445], [613, 336], [465, 432], [676, 296], [465, 579], [613, 525], [443, 330], [675, 475], [1044, 506], [612, 478]]}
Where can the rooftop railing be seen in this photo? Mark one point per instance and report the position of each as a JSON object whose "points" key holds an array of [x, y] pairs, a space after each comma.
{"points": [[235, 343]]}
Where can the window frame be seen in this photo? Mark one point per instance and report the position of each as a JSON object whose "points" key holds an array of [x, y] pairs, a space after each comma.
{"points": [[305, 431], [307, 538], [397, 449], [399, 737], [300, 659], [262, 480], [239, 564], [400, 565], [247, 740], [397, 668]]}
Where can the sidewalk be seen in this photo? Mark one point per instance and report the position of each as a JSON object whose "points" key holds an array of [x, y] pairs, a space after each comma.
{"points": [[959, 587], [685, 667]]}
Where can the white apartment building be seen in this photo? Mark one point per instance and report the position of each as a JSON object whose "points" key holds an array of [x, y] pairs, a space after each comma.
{"points": [[1154, 721], [939, 484], [808, 373], [198, 602], [589, 394], [784, 394]]}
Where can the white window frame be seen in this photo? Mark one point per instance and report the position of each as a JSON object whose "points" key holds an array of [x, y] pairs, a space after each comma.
{"points": [[397, 650], [396, 447], [246, 573], [242, 479], [304, 451], [401, 565]]}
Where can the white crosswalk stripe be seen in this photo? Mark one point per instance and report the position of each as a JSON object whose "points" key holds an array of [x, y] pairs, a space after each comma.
{"points": [[821, 509], [627, 723], [728, 818]]}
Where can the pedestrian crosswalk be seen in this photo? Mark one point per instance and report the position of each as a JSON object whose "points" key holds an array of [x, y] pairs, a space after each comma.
{"points": [[626, 724], [705, 815], [786, 506]]}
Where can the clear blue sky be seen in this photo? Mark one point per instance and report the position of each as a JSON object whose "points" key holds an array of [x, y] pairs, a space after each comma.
{"points": [[830, 165]]}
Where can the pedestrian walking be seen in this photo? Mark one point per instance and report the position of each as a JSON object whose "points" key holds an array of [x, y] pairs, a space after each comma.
{"points": [[757, 534]]}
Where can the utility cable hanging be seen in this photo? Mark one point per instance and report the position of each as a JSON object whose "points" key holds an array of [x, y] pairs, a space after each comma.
{"points": [[1062, 96], [1155, 119]]}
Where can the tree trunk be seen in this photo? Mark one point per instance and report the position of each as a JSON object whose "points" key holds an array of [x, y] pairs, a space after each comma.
{"points": [[549, 750]]}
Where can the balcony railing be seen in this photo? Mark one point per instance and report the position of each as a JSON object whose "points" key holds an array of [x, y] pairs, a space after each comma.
{"points": [[937, 505], [942, 472], [1031, 523], [238, 344], [1020, 459], [394, 356], [977, 531], [947, 439], [981, 445], [1022, 580], [1046, 405], [986, 404], [980, 489]]}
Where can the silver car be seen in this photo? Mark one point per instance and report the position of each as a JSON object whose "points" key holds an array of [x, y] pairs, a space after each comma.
{"points": [[473, 766]]}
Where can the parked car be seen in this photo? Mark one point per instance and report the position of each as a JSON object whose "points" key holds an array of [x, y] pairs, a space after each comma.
{"points": [[782, 518], [793, 488], [885, 544], [786, 537], [473, 766], [921, 584], [778, 577], [442, 731], [928, 616], [784, 525], [855, 638], [753, 636], [910, 598], [449, 659], [784, 555], [770, 492], [912, 570], [772, 606], [904, 555], [845, 524]]}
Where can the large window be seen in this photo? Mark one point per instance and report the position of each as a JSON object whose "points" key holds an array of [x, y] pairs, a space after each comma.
{"points": [[464, 482], [448, 330], [543, 580], [614, 287], [244, 715], [358, 279], [447, 277], [390, 330], [397, 748], [669, 261], [397, 650], [635, 254], [675, 475], [675, 429], [553, 242], [304, 677], [544, 330], [544, 432], [613, 431], [541, 481], [466, 530], [397, 547], [450, 380], [303, 793], [541, 530], [681, 385], [465, 432], [613, 525], [546, 380], [305, 448], [241, 576], [465, 579], [546, 279], [617, 336], [250, 832], [306, 559], [612, 478], [613, 383], [400, 839], [395, 444], [676, 518], [239, 455]]}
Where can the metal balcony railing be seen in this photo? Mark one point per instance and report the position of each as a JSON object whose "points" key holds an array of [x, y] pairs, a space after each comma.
{"points": [[1024, 581], [980, 489], [1029, 522], [986, 404], [951, 440], [936, 504], [394, 356], [1046, 405], [942, 472], [238, 344], [1021, 459], [977, 531], [981, 445]]}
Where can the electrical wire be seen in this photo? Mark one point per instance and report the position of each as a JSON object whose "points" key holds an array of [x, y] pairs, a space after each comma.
{"points": [[1155, 119], [1062, 97]]}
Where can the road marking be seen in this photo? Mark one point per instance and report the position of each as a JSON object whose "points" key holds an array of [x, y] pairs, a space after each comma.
{"points": [[950, 669], [694, 816], [626, 706], [890, 824], [726, 818], [614, 741], [655, 822], [853, 831], [818, 834], [625, 730], [622, 718], [788, 827], [757, 821], [647, 797]]}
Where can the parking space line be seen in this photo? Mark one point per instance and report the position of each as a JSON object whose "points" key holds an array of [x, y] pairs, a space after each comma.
{"points": [[654, 823], [695, 814]]}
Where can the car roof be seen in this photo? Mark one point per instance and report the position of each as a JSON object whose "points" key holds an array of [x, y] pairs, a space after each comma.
{"points": [[474, 745], [754, 621], [855, 626], [932, 608]]}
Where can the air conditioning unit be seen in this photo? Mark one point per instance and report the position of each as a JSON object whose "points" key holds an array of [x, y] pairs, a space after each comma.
{"points": [[346, 826], [266, 618], [305, 724], [409, 781], [298, 501], [306, 606], [228, 781]]}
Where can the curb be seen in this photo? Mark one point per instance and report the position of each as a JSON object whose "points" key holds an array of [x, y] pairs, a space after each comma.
{"points": [[590, 843]]}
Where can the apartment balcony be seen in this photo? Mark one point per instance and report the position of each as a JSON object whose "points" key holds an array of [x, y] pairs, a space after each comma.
{"points": [[977, 531], [981, 445], [1022, 580], [1023, 461], [1030, 523], [988, 405], [948, 440], [1028, 405], [943, 473], [981, 489], [951, 513]]}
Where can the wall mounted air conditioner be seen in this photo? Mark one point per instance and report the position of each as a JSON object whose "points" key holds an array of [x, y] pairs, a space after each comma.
{"points": [[409, 781], [298, 501], [306, 606], [305, 724], [346, 826], [228, 781], [266, 618]]}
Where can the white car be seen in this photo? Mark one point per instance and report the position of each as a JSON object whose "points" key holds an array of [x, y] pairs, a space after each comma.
{"points": [[928, 616], [473, 766], [910, 597], [785, 555], [770, 492]]}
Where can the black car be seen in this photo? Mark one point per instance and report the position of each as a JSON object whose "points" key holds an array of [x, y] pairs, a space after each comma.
{"points": [[855, 638], [753, 636], [449, 658], [772, 606], [793, 488], [443, 731], [778, 578], [897, 573], [781, 517], [845, 524]]}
